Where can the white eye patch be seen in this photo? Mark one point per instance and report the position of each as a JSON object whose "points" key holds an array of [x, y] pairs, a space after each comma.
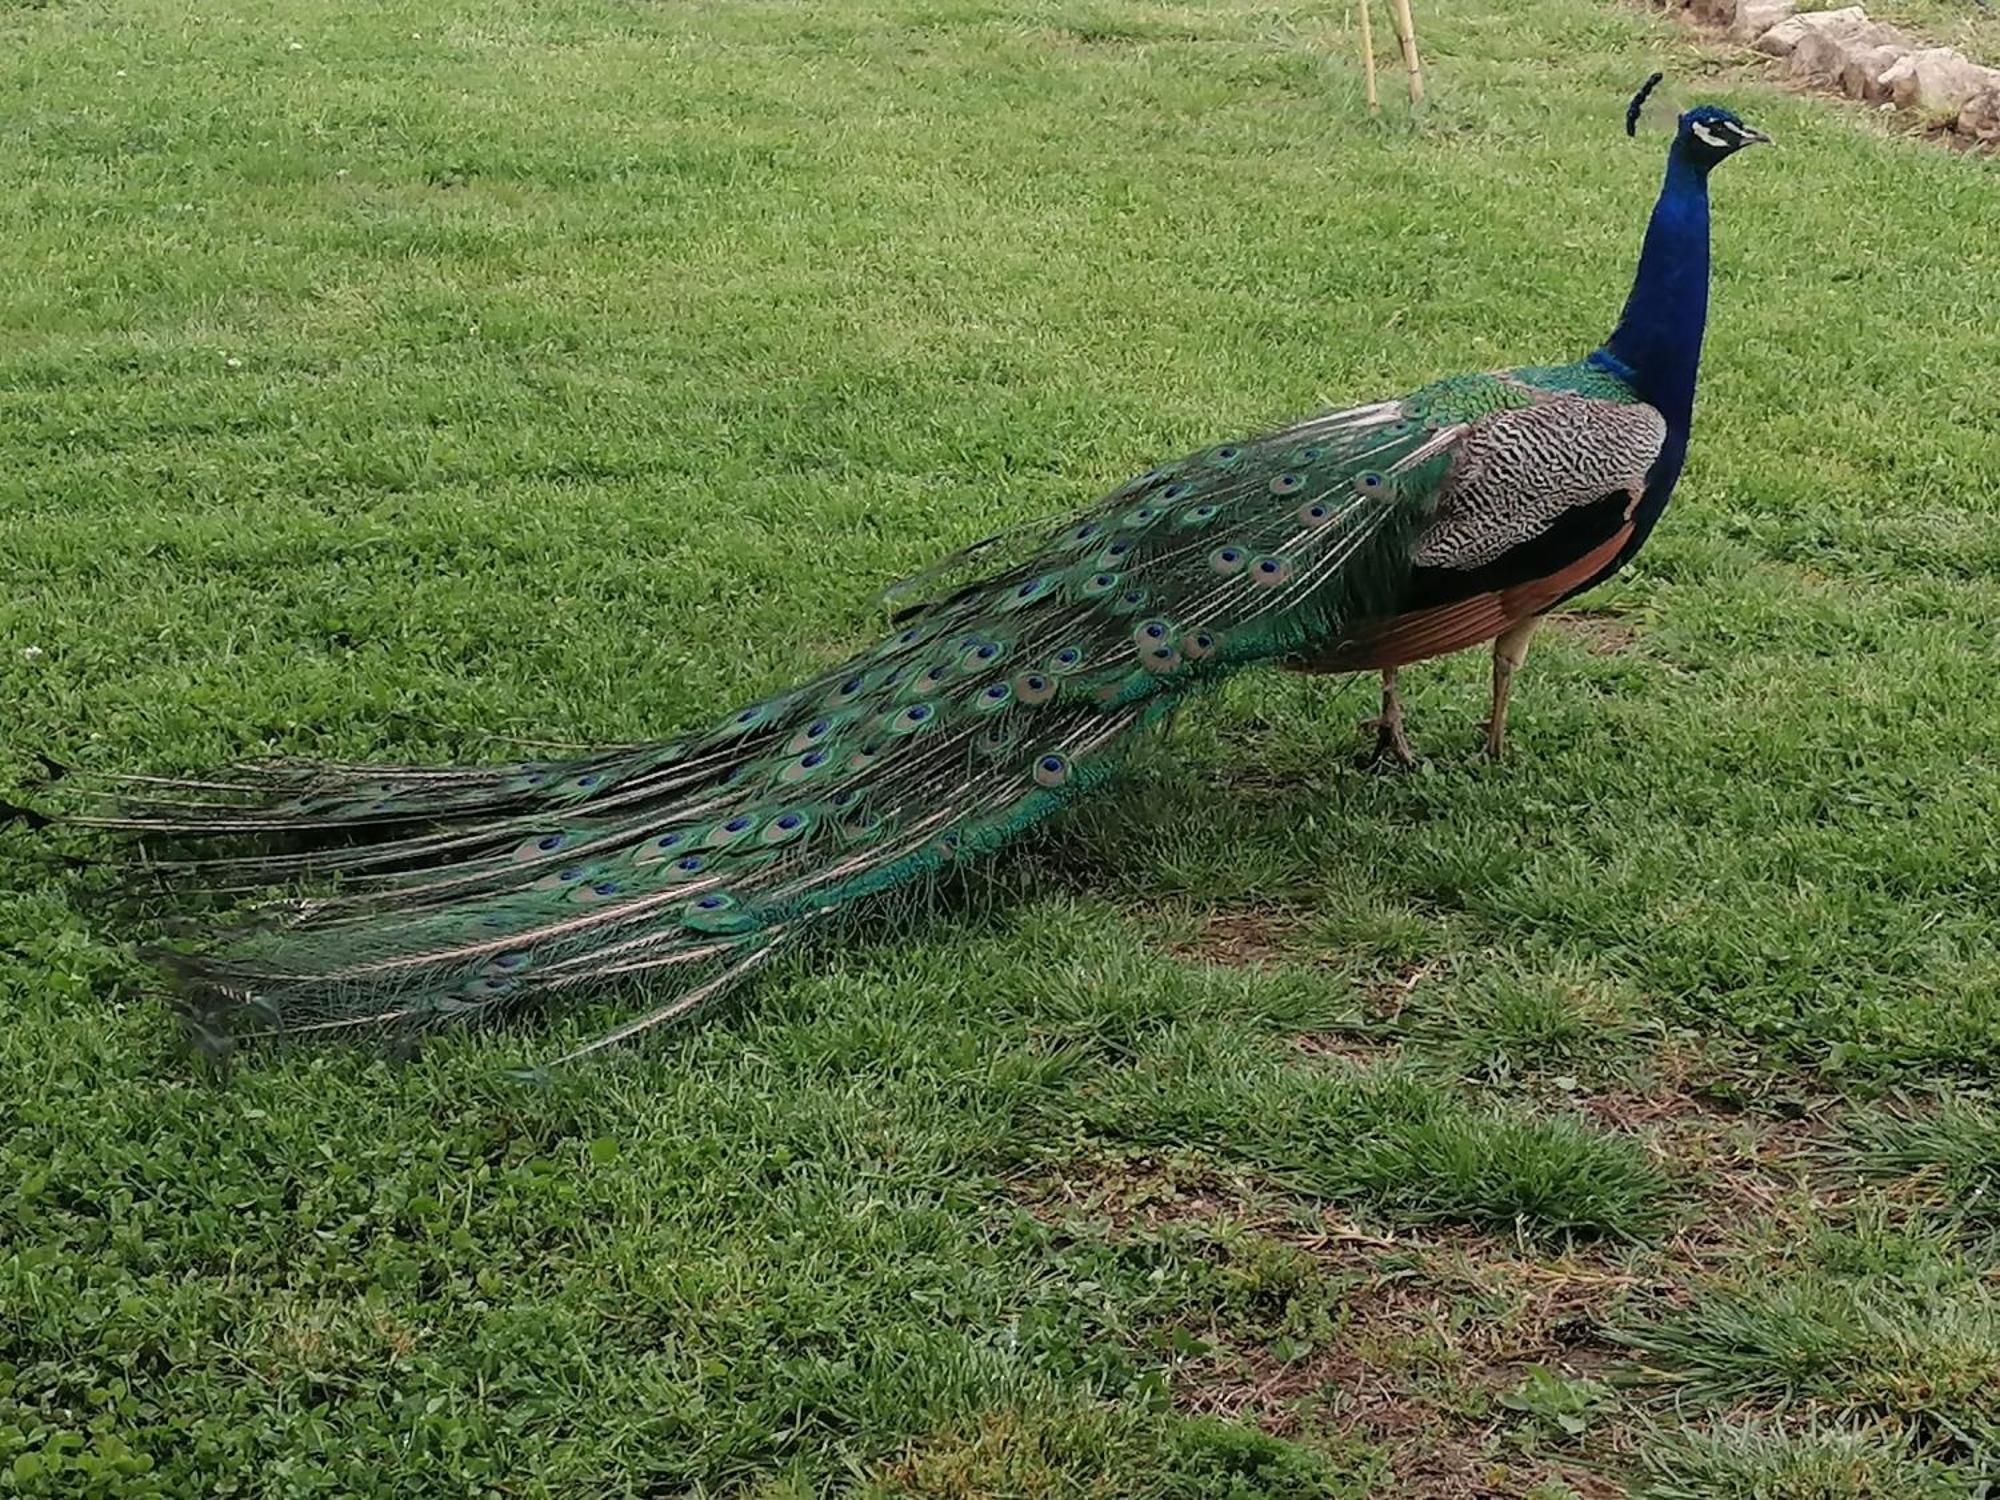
{"points": [[1711, 137]]}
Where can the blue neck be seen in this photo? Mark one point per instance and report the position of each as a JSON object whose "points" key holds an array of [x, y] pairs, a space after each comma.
{"points": [[1657, 345]]}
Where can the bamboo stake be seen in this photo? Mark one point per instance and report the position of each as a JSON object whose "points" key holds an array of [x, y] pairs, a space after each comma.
{"points": [[1406, 33], [1368, 58]]}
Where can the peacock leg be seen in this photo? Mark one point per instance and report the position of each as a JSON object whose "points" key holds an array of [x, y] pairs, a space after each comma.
{"points": [[1392, 750], [1510, 649]]}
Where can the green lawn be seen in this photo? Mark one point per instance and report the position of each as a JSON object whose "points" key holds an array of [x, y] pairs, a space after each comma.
{"points": [[385, 380]]}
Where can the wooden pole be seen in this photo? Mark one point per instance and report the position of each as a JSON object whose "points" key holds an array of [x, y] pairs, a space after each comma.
{"points": [[1406, 33], [1368, 58]]}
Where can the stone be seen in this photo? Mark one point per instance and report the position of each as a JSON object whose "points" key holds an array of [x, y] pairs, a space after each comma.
{"points": [[1832, 38], [1850, 18], [1979, 120], [1783, 38], [1755, 17], [1862, 75], [1938, 81]]}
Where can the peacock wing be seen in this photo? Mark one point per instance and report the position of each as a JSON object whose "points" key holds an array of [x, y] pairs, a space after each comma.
{"points": [[1537, 503]]}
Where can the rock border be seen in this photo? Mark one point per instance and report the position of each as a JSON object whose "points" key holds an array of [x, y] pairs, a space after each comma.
{"points": [[1844, 51]]}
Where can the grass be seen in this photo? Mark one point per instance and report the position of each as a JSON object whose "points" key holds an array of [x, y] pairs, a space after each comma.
{"points": [[1948, 1152], [1859, 1319], [380, 381], [1831, 1463]]}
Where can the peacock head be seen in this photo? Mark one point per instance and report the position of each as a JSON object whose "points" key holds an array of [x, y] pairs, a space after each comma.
{"points": [[1710, 133], [1704, 135]]}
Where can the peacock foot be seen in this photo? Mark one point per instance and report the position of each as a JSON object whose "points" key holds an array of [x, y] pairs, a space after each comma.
{"points": [[1392, 751]]}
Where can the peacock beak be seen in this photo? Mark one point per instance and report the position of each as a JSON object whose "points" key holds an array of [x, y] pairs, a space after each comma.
{"points": [[1752, 136]]}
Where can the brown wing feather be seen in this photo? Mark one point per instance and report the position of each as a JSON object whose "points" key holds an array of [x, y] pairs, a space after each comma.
{"points": [[1444, 628], [1517, 480]]}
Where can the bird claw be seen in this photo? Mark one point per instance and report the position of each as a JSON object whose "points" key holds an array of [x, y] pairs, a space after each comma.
{"points": [[1392, 751]]}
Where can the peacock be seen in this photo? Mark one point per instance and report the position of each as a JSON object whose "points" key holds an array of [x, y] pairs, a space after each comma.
{"points": [[1016, 676]]}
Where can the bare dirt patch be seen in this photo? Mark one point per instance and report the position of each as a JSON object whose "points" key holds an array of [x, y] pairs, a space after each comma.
{"points": [[1740, 1155], [1596, 630], [1368, 1042], [1387, 999], [1425, 1336], [1354, 1048], [1431, 1347], [1435, 1335], [1240, 939]]}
